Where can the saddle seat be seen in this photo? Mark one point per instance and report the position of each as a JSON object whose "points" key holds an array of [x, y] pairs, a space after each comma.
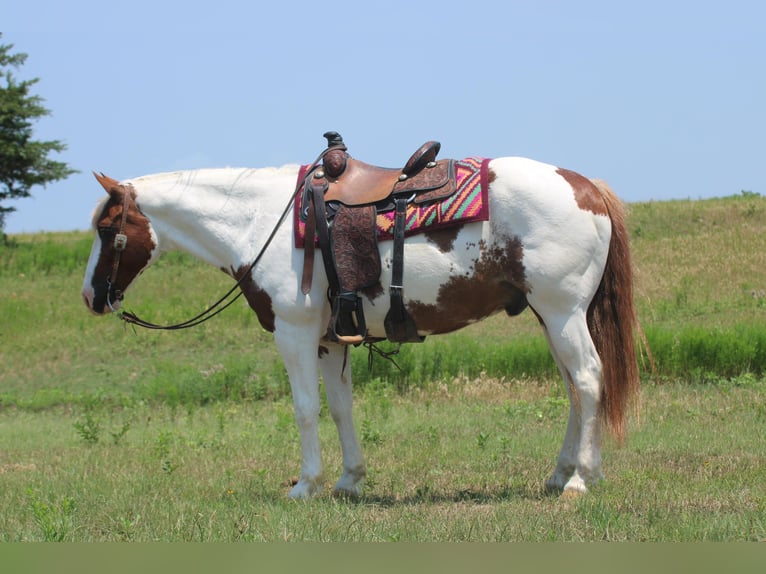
{"points": [[354, 183]]}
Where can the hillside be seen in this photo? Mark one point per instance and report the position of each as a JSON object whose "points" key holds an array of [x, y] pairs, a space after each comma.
{"points": [[701, 285]]}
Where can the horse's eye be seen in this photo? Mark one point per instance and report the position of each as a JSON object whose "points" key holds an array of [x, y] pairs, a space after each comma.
{"points": [[106, 231]]}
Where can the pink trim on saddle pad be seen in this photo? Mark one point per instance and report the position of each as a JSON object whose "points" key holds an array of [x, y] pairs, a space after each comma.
{"points": [[468, 204]]}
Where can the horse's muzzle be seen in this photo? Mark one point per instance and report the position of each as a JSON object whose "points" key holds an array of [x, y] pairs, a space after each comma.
{"points": [[100, 299]]}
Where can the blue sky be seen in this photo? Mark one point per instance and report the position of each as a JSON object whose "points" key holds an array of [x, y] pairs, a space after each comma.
{"points": [[665, 100]]}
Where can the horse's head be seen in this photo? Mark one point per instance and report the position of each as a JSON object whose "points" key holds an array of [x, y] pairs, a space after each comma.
{"points": [[124, 246]]}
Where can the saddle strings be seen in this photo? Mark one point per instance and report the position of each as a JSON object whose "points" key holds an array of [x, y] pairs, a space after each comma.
{"points": [[372, 347], [222, 303]]}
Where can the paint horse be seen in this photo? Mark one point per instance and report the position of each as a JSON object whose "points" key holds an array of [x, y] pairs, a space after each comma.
{"points": [[554, 241]]}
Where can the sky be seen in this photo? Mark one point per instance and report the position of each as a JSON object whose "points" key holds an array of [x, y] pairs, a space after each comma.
{"points": [[665, 100]]}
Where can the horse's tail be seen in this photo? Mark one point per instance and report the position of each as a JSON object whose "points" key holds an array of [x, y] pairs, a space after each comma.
{"points": [[612, 320]]}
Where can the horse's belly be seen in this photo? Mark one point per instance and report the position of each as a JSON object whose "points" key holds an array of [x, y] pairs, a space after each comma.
{"points": [[448, 284]]}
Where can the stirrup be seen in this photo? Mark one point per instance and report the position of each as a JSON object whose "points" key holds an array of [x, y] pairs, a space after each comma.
{"points": [[348, 317], [349, 339]]}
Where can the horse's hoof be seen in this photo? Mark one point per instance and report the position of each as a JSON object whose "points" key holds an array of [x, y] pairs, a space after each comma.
{"points": [[571, 494], [555, 484], [348, 490], [304, 490], [575, 486]]}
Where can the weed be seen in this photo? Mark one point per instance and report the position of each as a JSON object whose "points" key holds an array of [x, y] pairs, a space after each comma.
{"points": [[370, 435], [88, 427], [162, 447], [168, 466], [127, 526], [54, 522], [117, 436], [162, 444], [425, 493]]}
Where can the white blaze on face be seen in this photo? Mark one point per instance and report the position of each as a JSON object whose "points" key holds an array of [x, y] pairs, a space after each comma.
{"points": [[87, 284]]}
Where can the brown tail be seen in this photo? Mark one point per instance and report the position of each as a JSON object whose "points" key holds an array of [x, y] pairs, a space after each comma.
{"points": [[612, 319]]}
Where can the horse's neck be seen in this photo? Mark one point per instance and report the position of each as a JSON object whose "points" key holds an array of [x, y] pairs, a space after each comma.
{"points": [[217, 215]]}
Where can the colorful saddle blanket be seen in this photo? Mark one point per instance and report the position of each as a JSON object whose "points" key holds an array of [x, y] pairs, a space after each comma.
{"points": [[468, 204]]}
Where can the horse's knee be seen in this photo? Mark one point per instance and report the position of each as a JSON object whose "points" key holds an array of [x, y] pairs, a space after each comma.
{"points": [[306, 415]]}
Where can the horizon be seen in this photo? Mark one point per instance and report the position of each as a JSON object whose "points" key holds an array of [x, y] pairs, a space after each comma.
{"points": [[662, 101]]}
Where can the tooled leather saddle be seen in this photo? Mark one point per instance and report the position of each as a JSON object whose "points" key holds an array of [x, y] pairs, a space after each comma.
{"points": [[341, 197]]}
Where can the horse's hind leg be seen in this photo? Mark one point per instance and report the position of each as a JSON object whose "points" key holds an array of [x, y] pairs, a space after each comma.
{"points": [[567, 458], [336, 373], [579, 461]]}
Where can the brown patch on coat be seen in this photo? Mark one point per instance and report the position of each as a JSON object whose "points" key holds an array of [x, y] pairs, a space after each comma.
{"points": [[498, 282], [586, 194], [444, 239], [257, 298]]}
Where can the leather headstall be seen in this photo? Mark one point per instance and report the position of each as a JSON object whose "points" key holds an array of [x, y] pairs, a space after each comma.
{"points": [[119, 244]]}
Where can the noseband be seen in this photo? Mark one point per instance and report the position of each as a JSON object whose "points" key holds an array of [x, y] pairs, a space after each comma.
{"points": [[119, 244]]}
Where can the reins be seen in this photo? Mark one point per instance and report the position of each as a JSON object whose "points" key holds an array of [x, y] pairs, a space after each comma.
{"points": [[219, 305], [222, 303]]}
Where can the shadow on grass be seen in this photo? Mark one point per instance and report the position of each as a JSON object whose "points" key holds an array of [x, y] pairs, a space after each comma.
{"points": [[469, 495]]}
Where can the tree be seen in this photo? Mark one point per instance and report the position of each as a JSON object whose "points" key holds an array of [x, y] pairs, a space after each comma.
{"points": [[24, 162]]}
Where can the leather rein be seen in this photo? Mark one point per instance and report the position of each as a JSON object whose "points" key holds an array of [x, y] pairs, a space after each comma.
{"points": [[226, 300]]}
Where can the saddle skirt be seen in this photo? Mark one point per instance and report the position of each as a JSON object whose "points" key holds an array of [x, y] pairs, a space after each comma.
{"points": [[468, 204]]}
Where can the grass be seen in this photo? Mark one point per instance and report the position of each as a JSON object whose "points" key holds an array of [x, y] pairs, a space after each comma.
{"points": [[701, 295], [462, 461], [112, 434]]}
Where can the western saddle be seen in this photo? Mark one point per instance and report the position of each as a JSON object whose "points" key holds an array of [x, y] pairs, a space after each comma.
{"points": [[340, 201]]}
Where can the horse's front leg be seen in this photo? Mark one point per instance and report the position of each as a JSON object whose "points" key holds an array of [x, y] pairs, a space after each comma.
{"points": [[335, 363], [297, 345]]}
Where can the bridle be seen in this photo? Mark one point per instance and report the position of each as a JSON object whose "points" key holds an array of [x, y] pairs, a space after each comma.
{"points": [[119, 244]]}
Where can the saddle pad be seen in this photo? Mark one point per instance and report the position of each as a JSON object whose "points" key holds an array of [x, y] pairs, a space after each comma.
{"points": [[468, 204]]}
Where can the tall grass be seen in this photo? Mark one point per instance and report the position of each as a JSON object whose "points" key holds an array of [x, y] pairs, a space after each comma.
{"points": [[45, 253], [460, 355], [701, 294], [698, 353]]}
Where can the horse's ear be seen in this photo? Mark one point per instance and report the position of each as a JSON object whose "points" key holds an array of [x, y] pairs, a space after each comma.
{"points": [[106, 182]]}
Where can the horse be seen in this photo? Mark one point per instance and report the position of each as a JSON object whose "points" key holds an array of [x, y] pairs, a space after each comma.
{"points": [[554, 241]]}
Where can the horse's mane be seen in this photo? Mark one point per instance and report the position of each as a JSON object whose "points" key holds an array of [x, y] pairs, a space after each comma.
{"points": [[192, 173]]}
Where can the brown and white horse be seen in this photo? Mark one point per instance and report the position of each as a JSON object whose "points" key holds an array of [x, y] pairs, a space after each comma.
{"points": [[555, 241]]}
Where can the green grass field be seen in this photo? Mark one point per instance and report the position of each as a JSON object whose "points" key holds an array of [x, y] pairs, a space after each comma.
{"points": [[111, 433]]}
